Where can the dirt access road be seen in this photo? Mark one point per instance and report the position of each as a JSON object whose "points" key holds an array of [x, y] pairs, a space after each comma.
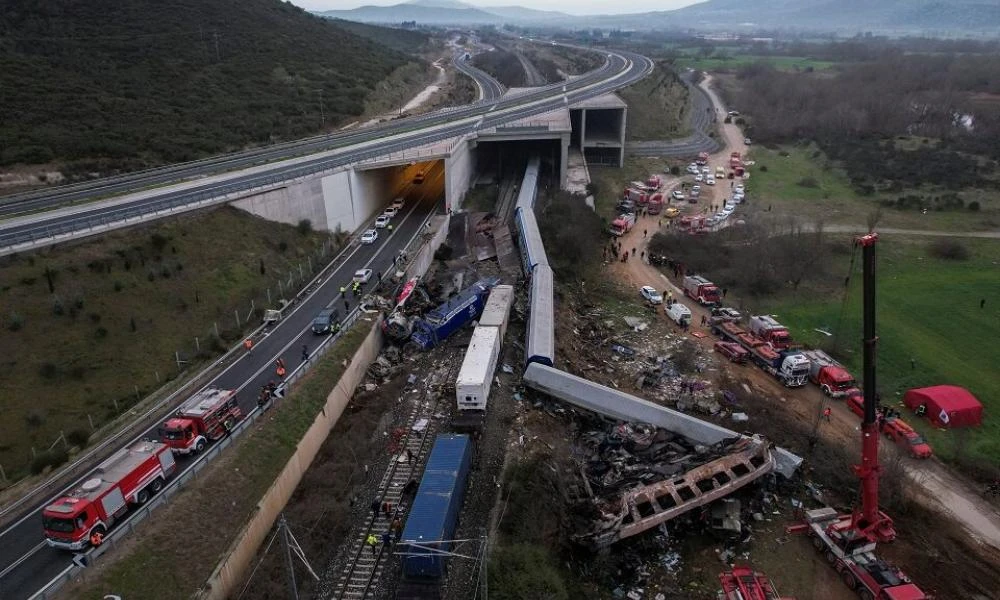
{"points": [[935, 485]]}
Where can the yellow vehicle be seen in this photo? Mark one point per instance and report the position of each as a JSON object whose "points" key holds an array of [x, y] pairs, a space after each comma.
{"points": [[720, 173], [671, 212]]}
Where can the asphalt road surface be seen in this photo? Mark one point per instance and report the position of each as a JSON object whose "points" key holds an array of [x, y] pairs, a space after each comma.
{"points": [[23, 542], [45, 225], [489, 88]]}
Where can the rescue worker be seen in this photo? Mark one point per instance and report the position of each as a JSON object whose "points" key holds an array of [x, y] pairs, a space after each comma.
{"points": [[386, 539], [96, 538], [342, 290], [305, 353], [396, 527], [390, 227], [248, 344], [827, 411], [372, 542], [280, 368]]}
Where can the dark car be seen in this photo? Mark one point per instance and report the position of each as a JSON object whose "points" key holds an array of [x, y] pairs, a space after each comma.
{"points": [[326, 321]]}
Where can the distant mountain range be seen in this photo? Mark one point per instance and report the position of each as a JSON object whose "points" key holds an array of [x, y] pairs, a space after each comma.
{"points": [[845, 16]]}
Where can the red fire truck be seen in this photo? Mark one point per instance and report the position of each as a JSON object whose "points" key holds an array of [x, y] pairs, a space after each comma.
{"points": [[204, 418], [131, 476]]}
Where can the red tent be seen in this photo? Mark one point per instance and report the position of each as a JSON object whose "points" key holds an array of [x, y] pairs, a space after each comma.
{"points": [[947, 405]]}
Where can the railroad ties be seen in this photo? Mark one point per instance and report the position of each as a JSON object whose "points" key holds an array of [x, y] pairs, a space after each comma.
{"points": [[360, 577]]}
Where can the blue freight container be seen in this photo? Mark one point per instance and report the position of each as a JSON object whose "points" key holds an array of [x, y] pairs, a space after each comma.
{"points": [[435, 509]]}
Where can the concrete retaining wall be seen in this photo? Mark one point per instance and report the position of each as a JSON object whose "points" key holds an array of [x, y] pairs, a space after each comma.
{"points": [[425, 256], [230, 575], [459, 168]]}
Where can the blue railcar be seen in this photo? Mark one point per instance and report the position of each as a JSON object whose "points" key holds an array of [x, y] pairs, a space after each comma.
{"points": [[541, 343], [529, 240], [529, 186], [446, 319], [433, 516]]}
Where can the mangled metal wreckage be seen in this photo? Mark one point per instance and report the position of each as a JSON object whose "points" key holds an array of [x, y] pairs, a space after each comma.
{"points": [[667, 484]]}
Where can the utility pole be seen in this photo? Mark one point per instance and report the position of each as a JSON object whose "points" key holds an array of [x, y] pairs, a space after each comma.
{"points": [[293, 591], [322, 115], [218, 56]]}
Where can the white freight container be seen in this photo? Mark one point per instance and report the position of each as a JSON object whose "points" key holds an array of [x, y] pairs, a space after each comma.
{"points": [[496, 313], [472, 388]]}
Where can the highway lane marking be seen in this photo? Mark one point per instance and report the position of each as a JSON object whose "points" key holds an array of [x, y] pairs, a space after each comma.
{"points": [[18, 562]]}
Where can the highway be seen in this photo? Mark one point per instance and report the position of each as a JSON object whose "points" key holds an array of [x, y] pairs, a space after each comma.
{"points": [[22, 542], [26, 563], [621, 69], [489, 89]]}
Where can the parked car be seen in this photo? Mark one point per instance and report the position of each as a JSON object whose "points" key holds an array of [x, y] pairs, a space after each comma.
{"points": [[418, 178], [747, 141], [649, 293], [326, 321], [382, 221], [397, 203], [677, 195], [390, 212], [705, 170], [369, 236], [724, 314], [699, 178], [727, 210], [739, 189], [713, 221], [693, 169], [362, 276], [710, 180], [671, 212], [696, 190], [734, 113]]}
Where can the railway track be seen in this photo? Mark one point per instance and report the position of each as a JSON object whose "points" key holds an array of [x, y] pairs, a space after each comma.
{"points": [[359, 578]]}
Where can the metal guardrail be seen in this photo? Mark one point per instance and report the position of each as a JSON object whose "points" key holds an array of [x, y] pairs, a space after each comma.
{"points": [[128, 526]]}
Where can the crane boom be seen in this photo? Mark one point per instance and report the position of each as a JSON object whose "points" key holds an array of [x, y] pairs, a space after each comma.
{"points": [[867, 519]]}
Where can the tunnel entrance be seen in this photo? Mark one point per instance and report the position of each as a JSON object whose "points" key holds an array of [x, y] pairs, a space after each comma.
{"points": [[501, 164]]}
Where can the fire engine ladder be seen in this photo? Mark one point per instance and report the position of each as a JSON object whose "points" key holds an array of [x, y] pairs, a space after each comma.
{"points": [[359, 577]]}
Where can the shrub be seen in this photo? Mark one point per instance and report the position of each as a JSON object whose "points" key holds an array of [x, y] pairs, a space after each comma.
{"points": [[78, 302], [29, 280], [119, 286], [131, 324], [305, 226], [808, 182], [151, 276], [15, 322], [78, 438], [48, 459], [158, 241], [48, 370], [95, 317], [974, 206], [763, 168], [57, 307], [34, 419], [675, 170], [101, 333], [948, 250], [282, 246]]}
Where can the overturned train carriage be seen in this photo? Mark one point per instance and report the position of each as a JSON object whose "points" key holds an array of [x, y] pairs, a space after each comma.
{"points": [[643, 508]]}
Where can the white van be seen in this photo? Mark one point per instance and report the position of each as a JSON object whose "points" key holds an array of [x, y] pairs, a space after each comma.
{"points": [[678, 313]]}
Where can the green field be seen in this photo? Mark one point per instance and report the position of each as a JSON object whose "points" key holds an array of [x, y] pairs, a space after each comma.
{"points": [[801, 181], [928, 311], [657, 107], [784, 63]]}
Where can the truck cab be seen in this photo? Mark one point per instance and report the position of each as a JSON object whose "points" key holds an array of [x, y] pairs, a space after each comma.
{"points": [[835, 381], [203, 418], [771, 331], [906, 438]]}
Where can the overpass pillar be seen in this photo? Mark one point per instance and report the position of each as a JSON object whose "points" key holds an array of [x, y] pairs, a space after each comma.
{"points": [[583, 129]]}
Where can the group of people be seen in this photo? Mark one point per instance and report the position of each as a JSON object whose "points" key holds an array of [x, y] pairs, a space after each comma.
{"points": [[394, 515], [268, 392]]}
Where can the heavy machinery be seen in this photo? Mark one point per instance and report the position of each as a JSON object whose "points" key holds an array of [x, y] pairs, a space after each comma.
{"points": [[848, 541], [743, 583]]}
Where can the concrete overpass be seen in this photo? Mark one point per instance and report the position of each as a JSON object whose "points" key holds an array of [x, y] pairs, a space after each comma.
{"points": [[316, 185]]}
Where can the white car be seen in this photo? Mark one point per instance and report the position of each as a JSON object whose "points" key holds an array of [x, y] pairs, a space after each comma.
{"points": [[693, 169], [362, 276], [710, 180], [727, 210], [713, 221], [382, 221], [677, 195], [649, 293], [397, 203], [695, 190], [390, 212], [737, 198], [734, 113], [739, 190], [746, 141], [699, 177], [369, 236], [705, 170]]}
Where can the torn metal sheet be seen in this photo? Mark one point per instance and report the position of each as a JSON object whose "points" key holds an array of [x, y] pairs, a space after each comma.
{"points": [[643, 508]]}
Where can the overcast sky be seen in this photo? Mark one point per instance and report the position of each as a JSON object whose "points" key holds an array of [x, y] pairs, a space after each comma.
{"points": [[575, 7]]}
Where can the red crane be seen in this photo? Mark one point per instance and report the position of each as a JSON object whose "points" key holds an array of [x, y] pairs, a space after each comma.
{"points": [[848, 541]]}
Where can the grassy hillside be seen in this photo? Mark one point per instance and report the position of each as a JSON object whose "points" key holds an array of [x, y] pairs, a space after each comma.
{"points": [[120, 85], [105, 330], [657, 106]]}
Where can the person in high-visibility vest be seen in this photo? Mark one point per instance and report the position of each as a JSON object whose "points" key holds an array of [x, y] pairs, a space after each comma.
{"points": [[342, 290], [248, 344], [372, 541]]}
